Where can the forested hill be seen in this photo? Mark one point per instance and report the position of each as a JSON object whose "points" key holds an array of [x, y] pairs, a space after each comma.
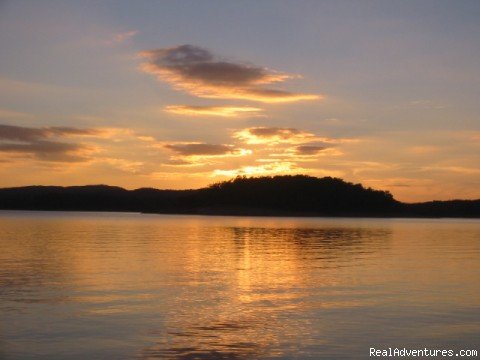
{"points": [[280, 195]]}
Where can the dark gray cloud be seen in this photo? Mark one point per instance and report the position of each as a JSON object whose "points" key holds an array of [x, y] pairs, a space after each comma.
{"points": [[36, 142], [20, 133], [48, 150], [284, 133], [201, 73], [309, 149], [191, 149], [67, 131]]}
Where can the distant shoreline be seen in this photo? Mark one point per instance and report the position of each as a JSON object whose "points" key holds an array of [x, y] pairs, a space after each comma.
{"points": [[279, 196], [255, 215]]}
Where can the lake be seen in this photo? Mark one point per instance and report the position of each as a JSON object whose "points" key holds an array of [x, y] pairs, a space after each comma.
{"points": [[135, 286]]}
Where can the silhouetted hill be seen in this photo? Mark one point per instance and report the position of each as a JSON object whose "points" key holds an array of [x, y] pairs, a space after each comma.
{"points": [[280, 195], [298, 194], [450, 208]]}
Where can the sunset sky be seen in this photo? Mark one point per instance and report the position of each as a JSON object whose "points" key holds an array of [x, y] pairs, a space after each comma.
{"points": [[182, 94]]}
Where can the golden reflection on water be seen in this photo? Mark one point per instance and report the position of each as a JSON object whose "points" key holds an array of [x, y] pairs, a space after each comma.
{"points": [[148, 286], [258, 279]]}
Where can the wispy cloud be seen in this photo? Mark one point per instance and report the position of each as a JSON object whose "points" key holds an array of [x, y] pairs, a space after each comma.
{"points": [[452, 169], [273, 135], [49, 150], [222, 111], [124, 165], [188, 149], [282, 150], [199, 72], [20, 133], [195, 153], [37, 142], [283, 135], [122, 37], [309, 150], [427, 104], [10, 114], [125, 36]]}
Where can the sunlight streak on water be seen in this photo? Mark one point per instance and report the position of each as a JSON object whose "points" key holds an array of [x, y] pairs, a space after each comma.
{"points": [[119, 286]]}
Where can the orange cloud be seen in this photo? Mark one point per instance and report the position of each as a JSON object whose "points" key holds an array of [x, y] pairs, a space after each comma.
{"points": [[127, 166], [284, 167], [194, 153], [278, 135], [273, 135], [200, 73], [223, 111], [36, 142], [453, 169]]}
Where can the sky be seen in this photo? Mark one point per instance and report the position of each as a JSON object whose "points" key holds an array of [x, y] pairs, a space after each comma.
{"points": [[183, 94]]}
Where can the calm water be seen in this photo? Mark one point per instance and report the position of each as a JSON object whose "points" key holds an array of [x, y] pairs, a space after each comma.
{"points": [[130, 286]]}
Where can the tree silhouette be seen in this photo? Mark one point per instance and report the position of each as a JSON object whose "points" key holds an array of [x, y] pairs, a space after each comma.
{"points": [[298, 195]]}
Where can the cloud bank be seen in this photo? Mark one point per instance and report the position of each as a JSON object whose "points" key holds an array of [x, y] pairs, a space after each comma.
{"points": [[199, 72], [36, 142]]}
